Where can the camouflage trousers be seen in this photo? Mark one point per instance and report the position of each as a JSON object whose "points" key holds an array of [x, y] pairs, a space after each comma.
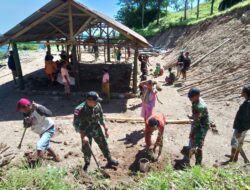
{"points": [[96, 134]]}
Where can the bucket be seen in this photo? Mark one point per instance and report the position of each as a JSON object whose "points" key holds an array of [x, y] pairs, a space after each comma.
{"points": [[144, 165]]}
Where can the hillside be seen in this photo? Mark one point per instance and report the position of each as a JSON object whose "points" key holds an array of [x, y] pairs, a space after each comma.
{"points": [[222, 73], [173, 19]]}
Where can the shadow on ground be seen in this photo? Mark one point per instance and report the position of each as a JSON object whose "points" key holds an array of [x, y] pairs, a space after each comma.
{"points": [[36, 83]]}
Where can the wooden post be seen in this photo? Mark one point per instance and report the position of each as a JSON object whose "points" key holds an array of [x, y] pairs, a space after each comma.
{"points": [[108, 45], [135, 70], [18, 66], [104, 51], [48, 46], [73, 52]]}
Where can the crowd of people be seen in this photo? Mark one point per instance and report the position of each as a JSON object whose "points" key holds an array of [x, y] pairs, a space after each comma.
{"points": [[89, 120]]}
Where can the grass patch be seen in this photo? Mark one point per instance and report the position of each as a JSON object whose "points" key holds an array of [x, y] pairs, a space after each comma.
{"points": [[173, 19], [195, 178], [49, 178], [27, 46], [2, 55]]}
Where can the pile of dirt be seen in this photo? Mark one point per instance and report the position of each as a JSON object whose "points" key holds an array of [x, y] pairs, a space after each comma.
{"points": [[225, 42]]}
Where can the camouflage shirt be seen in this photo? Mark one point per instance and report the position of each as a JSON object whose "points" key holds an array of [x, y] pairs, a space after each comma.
{"points": [[85, 117], [200, 114]]}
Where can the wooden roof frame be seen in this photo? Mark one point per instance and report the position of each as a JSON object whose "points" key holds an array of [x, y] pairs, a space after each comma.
{"points": [[80, 17]]}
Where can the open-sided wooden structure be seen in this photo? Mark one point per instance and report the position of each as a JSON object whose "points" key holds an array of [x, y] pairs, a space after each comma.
{"points": [[65, 21]]}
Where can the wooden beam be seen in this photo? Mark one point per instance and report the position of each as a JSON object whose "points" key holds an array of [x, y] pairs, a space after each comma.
{"points": [[135, 70], [71, 25], [58, 29], [18, 66], [72, 41], [108, 45], [120, 30], [73, 14], [81, 29], [38, 21]]}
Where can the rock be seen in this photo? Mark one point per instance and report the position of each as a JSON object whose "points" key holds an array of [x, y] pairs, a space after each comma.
{"points": [[66, 143], [227, 104]]}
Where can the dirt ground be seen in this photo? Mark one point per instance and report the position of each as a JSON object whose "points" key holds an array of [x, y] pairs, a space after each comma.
{"points": [[126, 139]]}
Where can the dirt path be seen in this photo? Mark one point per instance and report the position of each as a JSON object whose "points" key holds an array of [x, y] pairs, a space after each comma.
{"points": [[126, 139]]}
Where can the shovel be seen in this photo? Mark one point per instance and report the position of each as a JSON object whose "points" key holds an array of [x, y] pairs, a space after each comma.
{"points": [[102, 171], [20, 144]]}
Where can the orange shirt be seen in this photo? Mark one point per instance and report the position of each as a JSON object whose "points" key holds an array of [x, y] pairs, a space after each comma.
{"points": [[50, 67]]}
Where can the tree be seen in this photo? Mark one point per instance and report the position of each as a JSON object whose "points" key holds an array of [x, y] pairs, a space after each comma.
{"points": [[198, 8], [185, 9], [212, 7]]}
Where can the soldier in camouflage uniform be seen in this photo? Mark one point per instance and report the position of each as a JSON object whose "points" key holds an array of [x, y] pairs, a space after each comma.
{"points": [[88, 119], [200, 124]]}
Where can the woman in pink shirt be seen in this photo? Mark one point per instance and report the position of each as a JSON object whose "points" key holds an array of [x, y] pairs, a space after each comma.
{"points": [[148, 98], [105, 84]]}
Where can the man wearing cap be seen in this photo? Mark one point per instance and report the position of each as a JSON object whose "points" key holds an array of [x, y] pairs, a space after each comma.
{"points": [[241, 125], [155, 122], [37, 117], [88, 119], [199, 126]]}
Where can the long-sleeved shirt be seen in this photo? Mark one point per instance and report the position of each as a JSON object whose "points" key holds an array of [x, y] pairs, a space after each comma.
{"points": [[242, 119], [86, 117], [40, 119], [200, 114]]}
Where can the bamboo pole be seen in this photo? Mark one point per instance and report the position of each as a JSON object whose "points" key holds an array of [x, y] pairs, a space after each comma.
{"points": [[132, 119], [213, 50]]}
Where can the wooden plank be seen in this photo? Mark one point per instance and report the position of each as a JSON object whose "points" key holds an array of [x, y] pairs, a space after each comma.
{"points": [[81, 29], [38, 21]]}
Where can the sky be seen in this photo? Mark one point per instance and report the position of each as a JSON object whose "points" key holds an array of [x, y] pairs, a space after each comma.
{"points": [[14, 11]]}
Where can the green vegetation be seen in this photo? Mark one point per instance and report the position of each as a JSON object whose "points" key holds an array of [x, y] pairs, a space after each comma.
{"points": [[52, 178], [172, 19], [27, 46], [43, 179], [2, 55], [195, 178]]}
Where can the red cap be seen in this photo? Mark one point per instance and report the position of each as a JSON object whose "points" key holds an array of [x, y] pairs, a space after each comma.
{"points": [[22, 103]]}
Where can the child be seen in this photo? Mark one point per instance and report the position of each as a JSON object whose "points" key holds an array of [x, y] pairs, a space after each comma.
{"points": [[157, 70], [50, 67], [105, 84], [200, 125], [65, 78], [171, 78], [37, 117]]}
